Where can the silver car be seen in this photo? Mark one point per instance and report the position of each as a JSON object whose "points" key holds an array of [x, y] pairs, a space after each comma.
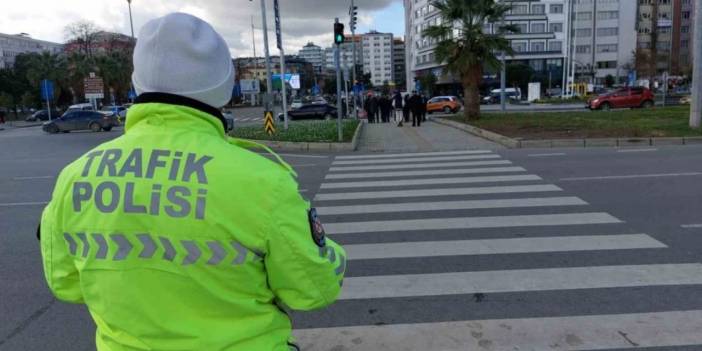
{"points": [[80, 120]]}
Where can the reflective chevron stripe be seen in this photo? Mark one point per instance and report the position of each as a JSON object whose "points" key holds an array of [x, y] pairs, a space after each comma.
{"points": [[72, 245], [149, 245], [168, 250], [194, 252], [241, 252], [218, 253], [86, 245], [102, 246], [124, 247]]}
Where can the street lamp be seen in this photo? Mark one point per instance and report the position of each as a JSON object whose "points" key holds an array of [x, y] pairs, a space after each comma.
{"points": [[269, 78], [131, 23]]}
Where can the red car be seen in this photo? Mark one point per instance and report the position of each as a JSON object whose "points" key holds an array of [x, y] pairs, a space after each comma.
{"points": [[623, 98]]}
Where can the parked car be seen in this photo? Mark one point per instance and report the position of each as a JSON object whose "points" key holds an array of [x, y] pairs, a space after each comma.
{"points": [[494, 96], [318, 100], [42, 115], [686, 100], [80, 120], [113, 110], [311, 111], [623, 98], [445, 104]]}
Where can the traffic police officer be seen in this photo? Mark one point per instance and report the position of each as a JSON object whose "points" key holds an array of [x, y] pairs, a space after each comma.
{"points": [[175, 236]]}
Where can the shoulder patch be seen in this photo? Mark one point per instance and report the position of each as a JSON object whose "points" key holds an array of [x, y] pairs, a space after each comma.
{"points": [[316, 228]]}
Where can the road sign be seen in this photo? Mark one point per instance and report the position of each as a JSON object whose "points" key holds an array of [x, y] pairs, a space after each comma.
{"points": [[290, 78], [93, 87], [268, 125], [249, 86], [278, 36], [47, 90]]}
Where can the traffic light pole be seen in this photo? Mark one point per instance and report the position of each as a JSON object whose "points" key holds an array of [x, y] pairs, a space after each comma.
{"points": [[696, 104], [352, 13], [338, 86], [269, 78]]}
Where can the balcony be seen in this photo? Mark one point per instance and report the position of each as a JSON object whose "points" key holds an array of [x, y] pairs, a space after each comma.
{"points": [[526, 36], [527, 17], [541, 53]]}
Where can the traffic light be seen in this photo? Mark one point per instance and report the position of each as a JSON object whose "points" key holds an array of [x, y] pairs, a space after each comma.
{"points": [[353, 19], [338, 33]]}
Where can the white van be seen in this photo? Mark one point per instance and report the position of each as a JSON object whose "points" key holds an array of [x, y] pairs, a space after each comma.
{"points": [[510, 93]]}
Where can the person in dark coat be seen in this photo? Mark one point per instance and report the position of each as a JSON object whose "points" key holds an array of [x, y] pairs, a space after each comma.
{"points": [[385, 107], [415, 103], [423, 107], [406, 109], [371, 108]]}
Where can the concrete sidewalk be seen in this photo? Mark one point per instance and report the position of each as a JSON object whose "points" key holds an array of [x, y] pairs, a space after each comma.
{"points": [[387, 137]]}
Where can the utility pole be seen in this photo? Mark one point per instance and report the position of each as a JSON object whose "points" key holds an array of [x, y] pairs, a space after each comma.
{"points": [[338, 39], [279, 43], [569, 38], [255, 60], [575, 50], [269, 78], [696, 106], [352, 14], [131, 23], [503, 75]]}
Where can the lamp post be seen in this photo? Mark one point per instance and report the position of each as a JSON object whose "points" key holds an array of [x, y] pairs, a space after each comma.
{"points": [[269, 78], [131, 23]]}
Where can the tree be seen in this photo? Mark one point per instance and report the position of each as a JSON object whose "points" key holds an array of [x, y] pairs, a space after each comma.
{"points": [[28, 100], [6, 100], [465, 48], [609, 81], [428, 83], [83, 34], [47, 66]]}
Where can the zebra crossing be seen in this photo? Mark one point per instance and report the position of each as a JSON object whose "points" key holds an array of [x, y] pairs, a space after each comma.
{"points": [[249, 119], [464, 250]]}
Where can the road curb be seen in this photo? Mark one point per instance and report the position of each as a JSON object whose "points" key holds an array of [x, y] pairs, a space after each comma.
{"points": [[315, 147], [12, 126], [486, 134], [569, 143]]}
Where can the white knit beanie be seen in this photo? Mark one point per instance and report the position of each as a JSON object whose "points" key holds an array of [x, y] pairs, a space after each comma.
{"points": [[183, 55]]}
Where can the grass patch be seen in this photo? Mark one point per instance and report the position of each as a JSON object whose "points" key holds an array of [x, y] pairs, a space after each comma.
{"points": [[305, 131], [641, 123]]}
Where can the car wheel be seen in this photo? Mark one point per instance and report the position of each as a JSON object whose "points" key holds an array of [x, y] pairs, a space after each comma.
{"points": [[605, 106], [327, 117], [107, 129], [95, 127], [52, 129], [647, 104], [447, 110]]}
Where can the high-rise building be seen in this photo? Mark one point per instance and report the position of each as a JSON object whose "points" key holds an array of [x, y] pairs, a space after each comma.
{"points": [[664, 31], [603, 38], [314, 55], [398, 63], [12, 45], [346, 53], [541, 42], [378, 57]]}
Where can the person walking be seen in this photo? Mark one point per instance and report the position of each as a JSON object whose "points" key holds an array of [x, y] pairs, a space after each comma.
{"points": [[175, 236], [423, 107], [415, 103], [406, 109], [370, 107], [385, 108], [397, 102]]}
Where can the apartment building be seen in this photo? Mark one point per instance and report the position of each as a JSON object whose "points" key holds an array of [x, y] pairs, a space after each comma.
{"points": [[665, 27], [346, 53], [541, 42], [603, 39], [313, 54], [398, 63], [378, 57], [12, 45]]}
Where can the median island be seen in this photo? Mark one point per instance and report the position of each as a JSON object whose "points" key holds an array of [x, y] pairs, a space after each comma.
{"points": [[659, 122], [304, 131]]}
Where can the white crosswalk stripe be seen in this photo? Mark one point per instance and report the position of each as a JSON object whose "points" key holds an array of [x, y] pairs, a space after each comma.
{"points": [[402, 174], [403, 246]]}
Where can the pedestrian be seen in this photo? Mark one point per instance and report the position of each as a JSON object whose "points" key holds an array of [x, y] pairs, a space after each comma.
{"points": [[423, 107], [397, 101], [406, 109], [372, 109], [384, 110], [415, 103], [176, 236]]}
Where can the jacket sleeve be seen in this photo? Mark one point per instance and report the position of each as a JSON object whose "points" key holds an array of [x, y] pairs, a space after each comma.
{"points": [[59, 267], [302, 275]]}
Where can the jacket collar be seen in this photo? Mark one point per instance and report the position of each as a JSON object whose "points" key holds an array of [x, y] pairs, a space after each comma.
{"points": [[172, 99]]}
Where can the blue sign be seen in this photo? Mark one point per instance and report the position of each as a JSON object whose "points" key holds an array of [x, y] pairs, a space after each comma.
{"points": [[631, 79], [47, 89], [418, 86], [132, 94], [358, 88], [315, 89], [236, 92]]}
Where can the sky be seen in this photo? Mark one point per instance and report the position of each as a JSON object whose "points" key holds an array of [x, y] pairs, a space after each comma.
{"points": [[302, 20]]}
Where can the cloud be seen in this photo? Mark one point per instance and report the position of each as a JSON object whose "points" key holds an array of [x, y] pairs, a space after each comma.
{"points": [[302, 20]]}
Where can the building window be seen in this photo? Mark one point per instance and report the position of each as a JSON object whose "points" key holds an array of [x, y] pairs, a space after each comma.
{"points": [[607, 32], [522, 27], [538, 9], [607, 15], [556, 8], [537, 65], [686, 14], [520, 9], [606, 64], [685, 44], [607, 48], [519, 47], [583, 49], [555, 46], [538, 46], [685, 29], [555, 27], [583, 16], [538, 27], [583, 32]]}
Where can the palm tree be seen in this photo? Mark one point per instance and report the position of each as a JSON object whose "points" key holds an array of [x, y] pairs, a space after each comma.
{"points": [[465, 48], [47, 66]]}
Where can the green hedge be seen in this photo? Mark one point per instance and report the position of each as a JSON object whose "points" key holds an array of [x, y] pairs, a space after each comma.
{"points": [[305, 131]]}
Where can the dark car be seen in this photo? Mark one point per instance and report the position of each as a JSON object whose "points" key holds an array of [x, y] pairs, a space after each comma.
{"points": [[623, 98], [42, 115], [81, 120], [312, 111]]}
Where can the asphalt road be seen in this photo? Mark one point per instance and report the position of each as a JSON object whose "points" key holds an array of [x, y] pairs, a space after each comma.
{"points": [[558, 249]]}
